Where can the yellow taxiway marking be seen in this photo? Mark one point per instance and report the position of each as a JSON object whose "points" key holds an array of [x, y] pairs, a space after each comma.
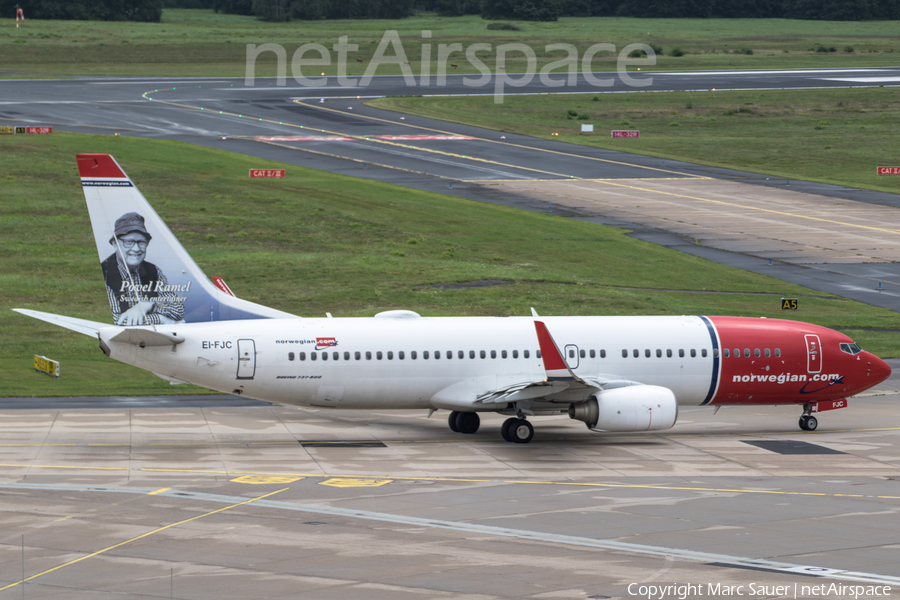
{"points": [[264, 479], [140, 537], [744, 206], [299, 476], [354, 482], [159, 491]]}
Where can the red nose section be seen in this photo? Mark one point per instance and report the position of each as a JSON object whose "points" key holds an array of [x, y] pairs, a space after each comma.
{"points": [[878, 369]]}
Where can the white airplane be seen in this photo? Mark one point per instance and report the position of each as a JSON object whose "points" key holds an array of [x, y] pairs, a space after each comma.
{"points": [[613, 373]]}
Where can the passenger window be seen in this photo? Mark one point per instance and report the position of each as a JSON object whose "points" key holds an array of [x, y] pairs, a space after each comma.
{"points": [[593, 354], [746, 352], [346, 356], [379, 355], [658, 353], [680, 353], [302, 355], [483, 354], [582, 353], [437, 354], [401, 355], [536, 353], [368, 356], [336, 355], [460, 354], [636, 353], [312, 356], [669, 353], [449, 353], [525, 354], [503, 354], [412, 355], [703, 352], [778, 352], [425, 355], [357, 355], [737, 352], [324, 356], [390, 355], [725, 353], [290, 356], [756, 352], [715, 353], [624, 353], [471, 354], [693, 353], [647, 352], [493, 354], [603, 354], [515, 354], [768, 353]]}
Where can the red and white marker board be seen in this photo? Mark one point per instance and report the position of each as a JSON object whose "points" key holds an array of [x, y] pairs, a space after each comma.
{"points": [[38, 130], [889, 170], [266, 172], [625, 133]]}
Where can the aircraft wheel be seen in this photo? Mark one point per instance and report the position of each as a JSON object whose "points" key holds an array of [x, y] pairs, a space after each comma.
{"points": [[451, 421], [803, 423], [811, 423], [507, 425], [467, 422], [521, 431]]}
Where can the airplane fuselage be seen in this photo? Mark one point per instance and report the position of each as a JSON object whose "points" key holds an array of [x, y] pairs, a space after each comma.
{"points": [[408, 362]]}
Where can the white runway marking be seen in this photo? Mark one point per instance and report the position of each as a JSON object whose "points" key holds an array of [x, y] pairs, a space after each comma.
{"points": [[863, 79]]}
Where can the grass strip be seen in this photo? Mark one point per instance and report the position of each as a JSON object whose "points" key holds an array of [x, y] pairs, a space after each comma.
{"points": [[204, 43]]}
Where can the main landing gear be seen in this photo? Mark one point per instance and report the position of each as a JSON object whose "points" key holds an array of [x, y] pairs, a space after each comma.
{"points": [[514, 430], [807, 421], [463, 422]]}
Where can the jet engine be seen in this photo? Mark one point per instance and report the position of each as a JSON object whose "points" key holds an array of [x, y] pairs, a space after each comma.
{"points": [[632, 408]]}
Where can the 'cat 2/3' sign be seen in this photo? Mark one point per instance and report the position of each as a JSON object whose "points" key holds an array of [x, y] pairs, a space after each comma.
{"points": [[788, 304]]}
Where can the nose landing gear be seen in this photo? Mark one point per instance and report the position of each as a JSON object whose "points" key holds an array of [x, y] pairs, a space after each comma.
{"points": [[807, 421]]}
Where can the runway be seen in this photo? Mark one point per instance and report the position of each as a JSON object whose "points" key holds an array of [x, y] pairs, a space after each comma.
{"points": [[217, 497]]}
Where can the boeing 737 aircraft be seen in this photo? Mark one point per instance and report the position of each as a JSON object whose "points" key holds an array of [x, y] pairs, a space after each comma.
{"points": [[612, 373]]}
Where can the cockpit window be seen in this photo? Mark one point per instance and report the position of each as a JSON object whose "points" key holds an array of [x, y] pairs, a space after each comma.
{"points": [[850, 349]]}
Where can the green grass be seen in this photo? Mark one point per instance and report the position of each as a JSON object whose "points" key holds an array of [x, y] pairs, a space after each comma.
{"points": [[316, 242], [834, 136], [201, 42]]}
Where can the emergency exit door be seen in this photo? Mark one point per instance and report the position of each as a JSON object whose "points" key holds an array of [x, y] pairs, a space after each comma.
{"points": [[246, 359], [572, 357], [813, 354]]}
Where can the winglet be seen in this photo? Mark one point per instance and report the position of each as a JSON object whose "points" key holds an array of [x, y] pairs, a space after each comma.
{"points": [[554, 363], [534, 313]]}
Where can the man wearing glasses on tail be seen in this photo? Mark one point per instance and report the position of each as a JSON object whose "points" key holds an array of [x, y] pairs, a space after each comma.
{"points": [[139, 293]]}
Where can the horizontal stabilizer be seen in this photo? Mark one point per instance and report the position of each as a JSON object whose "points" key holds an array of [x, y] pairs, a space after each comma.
{"points": [[80, 325], [145, 337]]}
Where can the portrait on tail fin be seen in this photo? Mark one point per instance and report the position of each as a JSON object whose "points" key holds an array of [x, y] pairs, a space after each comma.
{"points": [[139, 293]]}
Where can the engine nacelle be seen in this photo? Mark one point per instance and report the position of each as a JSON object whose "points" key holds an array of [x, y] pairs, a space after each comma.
{"points": [[632, 408]]}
